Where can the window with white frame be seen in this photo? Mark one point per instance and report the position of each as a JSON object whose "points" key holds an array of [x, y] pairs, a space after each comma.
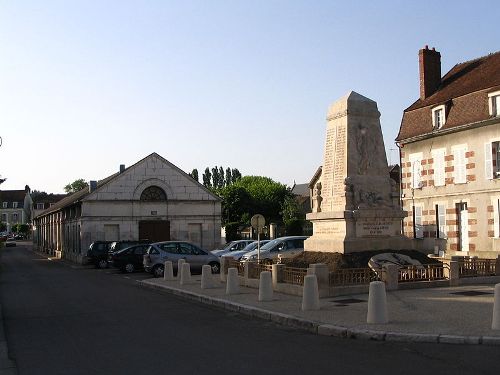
{"points": [[496, 217], [494, 103], [492, 160], [39, 206], [4, 218], [14, 204], [440, 221], [459, 164], [14, 218], [438, 117], [416, 170], [439, 167], [418, 227], [5, 204]]}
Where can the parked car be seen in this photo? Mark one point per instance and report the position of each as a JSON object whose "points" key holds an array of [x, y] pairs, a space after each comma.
{"points": [[287, 247], [232, 246], [129, 259], [119, 245], [250, 247], [158, 253], [98, 253]]}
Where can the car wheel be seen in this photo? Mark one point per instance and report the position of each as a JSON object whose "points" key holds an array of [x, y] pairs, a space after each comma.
{"points": [[215, 267], [102, 264], [158, 270], [129, 268]]}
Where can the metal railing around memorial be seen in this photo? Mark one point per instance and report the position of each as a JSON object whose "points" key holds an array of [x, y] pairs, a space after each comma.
{"points": [[233, 263], [477, 267], [428, 272], [254, 269], [292, 275], [352, 276]]}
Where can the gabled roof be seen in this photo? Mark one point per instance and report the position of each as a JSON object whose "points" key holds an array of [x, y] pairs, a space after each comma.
{"points": [[464, 89], [12, 196], [80, 195], [301, 189]]}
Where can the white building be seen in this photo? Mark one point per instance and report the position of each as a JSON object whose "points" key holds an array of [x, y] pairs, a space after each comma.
{"points": [[152, 199]]}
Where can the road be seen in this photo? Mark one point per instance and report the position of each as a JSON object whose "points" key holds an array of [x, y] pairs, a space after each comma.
{"points": [[64, 319]]}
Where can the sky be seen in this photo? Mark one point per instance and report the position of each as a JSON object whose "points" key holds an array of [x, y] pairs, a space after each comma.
{"points": [[88, 85]]}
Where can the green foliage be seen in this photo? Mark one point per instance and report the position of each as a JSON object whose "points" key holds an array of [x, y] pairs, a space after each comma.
{"points": [[207, 178], [294, 227], [232, 232], [76, 185], [3, 226], [194, 174], [235, 203], [291, 210], [20, 228]]}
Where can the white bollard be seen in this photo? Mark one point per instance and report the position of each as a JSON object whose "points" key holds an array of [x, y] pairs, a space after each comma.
{"points": [[377, 303], [233, 282], [168, 271], [207, 279], [496, 308], [266, 286], [310, 294], [180, 262], [185, 274]]}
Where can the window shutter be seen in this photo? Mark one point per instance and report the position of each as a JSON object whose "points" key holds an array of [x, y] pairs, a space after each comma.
{"points": [[459, 157], [496, 217], [419, 228], [439, 179], [488, 161], [416, 173]]}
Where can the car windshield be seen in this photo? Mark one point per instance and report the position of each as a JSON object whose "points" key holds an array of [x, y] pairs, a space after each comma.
{"points": [[270, 245]]}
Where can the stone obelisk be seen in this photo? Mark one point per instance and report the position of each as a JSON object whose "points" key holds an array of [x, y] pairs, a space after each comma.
{"points": [[355, 205]]}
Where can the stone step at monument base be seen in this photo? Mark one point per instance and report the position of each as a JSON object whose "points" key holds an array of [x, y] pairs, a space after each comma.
{"points": [[346, 246]]}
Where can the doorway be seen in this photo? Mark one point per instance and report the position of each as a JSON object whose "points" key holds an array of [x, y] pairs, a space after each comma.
{"points": [[154, 230], [463, 226]]}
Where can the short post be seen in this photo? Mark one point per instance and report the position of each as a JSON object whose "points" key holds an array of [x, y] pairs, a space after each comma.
{"points": [[277, 273], [185, 274], [246, 265], [310, 294], [223, 268], [265, 286], [168, 271], [207, 279], [180, 262], [390, 275], [322, 275], [232, 283], [454, 273], [377, 303], [496, 309]]}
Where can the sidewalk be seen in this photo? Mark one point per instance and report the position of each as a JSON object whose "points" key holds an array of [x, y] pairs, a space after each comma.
{"points": [[453, 315]]}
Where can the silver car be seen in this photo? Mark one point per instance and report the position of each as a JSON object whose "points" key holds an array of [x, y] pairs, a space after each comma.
{"points": [[287, 247], [232, 246], [250, 247], [158, 253]]}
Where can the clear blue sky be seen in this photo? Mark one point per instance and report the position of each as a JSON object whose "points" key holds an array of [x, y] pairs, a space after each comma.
{"points": [[88, 85]]}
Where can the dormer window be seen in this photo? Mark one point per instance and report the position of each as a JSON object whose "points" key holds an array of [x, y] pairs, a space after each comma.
{"points": [[494, 103], [438, 117]]}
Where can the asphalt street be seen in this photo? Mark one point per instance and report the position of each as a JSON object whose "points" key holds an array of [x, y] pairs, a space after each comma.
{"points": [[61, 318]]}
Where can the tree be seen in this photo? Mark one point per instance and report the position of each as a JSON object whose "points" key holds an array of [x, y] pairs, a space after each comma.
{"points": [[194, 174], [207, 176], [2, 180], [76, 185], [235, 175], [229, 175], [293, 217], [3, 226]]}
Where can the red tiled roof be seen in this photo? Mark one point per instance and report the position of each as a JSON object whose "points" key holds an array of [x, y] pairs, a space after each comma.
{"points": [[464, 90]]}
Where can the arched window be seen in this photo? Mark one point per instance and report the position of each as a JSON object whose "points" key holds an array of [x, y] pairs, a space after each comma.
{"points": [[153, 193]]}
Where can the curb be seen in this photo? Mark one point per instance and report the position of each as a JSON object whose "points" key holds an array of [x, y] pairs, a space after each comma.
{"points": [[325, 329]]}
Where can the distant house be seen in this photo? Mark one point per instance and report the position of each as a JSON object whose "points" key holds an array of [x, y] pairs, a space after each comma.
{"points": [[43, 201], [302, 196], [152, 199], [15, 207], [450, 157]]}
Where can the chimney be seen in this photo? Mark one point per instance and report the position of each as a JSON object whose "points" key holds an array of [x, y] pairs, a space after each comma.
{"points": [[122, 168], [92, 186], [429, 62]]}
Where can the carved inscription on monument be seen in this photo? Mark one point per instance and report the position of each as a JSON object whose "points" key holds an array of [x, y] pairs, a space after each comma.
{"points": [[374, 227], [329, 228], [339, 172], [328, 167]]}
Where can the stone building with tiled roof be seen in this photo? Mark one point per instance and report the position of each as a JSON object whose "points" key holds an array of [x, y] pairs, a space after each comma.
{"points": [[15, 207], [152, 199], [450, 157]]}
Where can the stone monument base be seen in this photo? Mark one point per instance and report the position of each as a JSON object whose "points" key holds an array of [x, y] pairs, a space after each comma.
{"points": [[359, 230]]}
